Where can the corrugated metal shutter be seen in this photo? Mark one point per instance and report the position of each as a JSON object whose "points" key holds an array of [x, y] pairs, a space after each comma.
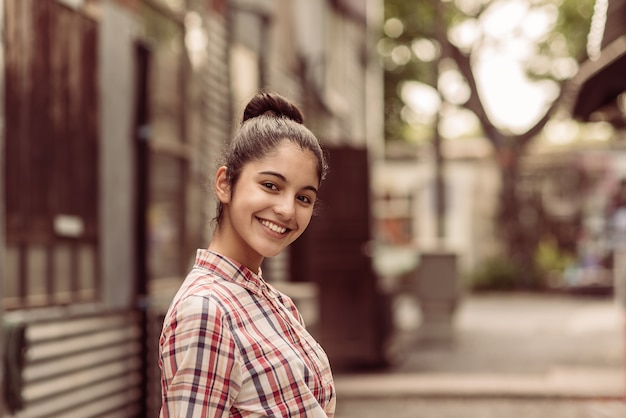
{"points": [[76, 366], [217, 105], [216, 122]]}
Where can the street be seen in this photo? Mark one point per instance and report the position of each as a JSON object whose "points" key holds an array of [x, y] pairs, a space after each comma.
{"points": [[512, 355], [479, 408]]}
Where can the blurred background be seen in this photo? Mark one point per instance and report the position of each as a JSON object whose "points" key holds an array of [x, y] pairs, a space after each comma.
{"points": [[477, 184]]}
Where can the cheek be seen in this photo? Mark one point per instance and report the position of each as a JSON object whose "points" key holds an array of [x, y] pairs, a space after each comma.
{"points": [[250, 198], [304, 219]]}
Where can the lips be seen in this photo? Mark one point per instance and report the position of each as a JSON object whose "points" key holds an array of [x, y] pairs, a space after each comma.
{"points": [[273, 227]]}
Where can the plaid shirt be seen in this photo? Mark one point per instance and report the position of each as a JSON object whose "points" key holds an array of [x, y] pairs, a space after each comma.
{"points": [[233, 346]]}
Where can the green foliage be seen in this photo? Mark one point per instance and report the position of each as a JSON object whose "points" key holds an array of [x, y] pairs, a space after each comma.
{"points": [[502, 274], [551, 262], [550, 258], [418, 18], [569, 37], [420, 21], [496, 273], [574, 22]]}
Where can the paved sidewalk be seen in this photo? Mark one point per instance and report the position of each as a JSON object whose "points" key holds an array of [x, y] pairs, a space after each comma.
{"points": [[478, 408], [556, 384], [507, 348]]}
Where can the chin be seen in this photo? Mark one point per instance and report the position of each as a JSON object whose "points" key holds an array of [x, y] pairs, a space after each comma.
{"points": [[273, 253], [270, 251]]}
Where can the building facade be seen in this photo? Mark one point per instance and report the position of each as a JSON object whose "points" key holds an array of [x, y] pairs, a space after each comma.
{"points": [[114, 112]]}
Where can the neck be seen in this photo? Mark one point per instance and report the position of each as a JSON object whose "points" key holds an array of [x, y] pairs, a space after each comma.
{"points": [[221, 245]]}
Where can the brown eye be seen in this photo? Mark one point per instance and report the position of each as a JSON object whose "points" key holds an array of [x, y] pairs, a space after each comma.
{"points": [[305, 199]]}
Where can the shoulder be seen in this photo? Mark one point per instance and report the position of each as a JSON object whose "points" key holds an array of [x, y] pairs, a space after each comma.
{"points": [[202, 296]]}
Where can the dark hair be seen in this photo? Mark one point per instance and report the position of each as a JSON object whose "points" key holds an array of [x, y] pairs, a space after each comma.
{"points": [[268, 120]]}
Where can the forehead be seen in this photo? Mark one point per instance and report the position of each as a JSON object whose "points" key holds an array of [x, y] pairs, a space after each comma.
{"points": [[290, 160]]}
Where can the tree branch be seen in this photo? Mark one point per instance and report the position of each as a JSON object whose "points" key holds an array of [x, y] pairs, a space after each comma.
{"points": [[474, 103]]}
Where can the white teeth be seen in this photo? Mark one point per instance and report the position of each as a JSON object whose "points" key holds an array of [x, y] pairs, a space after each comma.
{"points": [[274, 227]]}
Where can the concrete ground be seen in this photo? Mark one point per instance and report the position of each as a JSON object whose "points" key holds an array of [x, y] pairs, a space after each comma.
{"points": [[511, 355], [480, 408]]}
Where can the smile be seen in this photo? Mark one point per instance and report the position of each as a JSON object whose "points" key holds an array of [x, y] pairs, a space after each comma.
{"points": [[276, 228]]}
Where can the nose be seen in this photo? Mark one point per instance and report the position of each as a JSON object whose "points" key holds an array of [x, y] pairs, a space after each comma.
{"points": [[286, 207]]}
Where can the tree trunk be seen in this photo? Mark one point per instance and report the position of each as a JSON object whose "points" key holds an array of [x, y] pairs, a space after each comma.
{"points": [[515, 234]]}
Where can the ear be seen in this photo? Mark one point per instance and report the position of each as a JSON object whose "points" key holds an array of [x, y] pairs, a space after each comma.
{"points": [[222, 187]]}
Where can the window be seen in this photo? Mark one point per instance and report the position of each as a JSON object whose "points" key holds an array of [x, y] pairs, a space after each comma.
{"points": [[168, 79], [51, 167]]}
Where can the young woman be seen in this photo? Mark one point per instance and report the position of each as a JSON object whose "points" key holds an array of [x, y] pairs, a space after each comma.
{"points": [[232, 345]]}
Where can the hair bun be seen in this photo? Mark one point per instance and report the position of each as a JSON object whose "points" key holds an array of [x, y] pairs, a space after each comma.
{"points": [[272, 104]]}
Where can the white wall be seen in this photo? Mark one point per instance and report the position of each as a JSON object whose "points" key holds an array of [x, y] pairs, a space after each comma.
{"points": [[472, 188], [117, 87]]}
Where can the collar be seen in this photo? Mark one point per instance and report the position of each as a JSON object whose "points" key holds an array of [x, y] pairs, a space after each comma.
{"points": [[235, 272]]}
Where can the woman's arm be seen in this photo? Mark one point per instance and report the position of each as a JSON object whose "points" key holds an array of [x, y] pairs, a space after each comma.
{"points": [[199, 361]]}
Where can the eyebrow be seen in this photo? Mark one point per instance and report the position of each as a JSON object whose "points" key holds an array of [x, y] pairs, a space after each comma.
{"points": [[283, 178]]}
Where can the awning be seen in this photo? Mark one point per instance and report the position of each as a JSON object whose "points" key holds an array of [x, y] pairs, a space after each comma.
{"points": [[598, 82]]}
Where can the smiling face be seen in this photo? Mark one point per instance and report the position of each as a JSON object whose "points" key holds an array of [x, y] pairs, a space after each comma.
{"points": [[269, 206]]}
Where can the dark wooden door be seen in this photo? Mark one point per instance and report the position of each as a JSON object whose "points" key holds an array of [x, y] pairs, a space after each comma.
{"points": [[333, 254]]}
